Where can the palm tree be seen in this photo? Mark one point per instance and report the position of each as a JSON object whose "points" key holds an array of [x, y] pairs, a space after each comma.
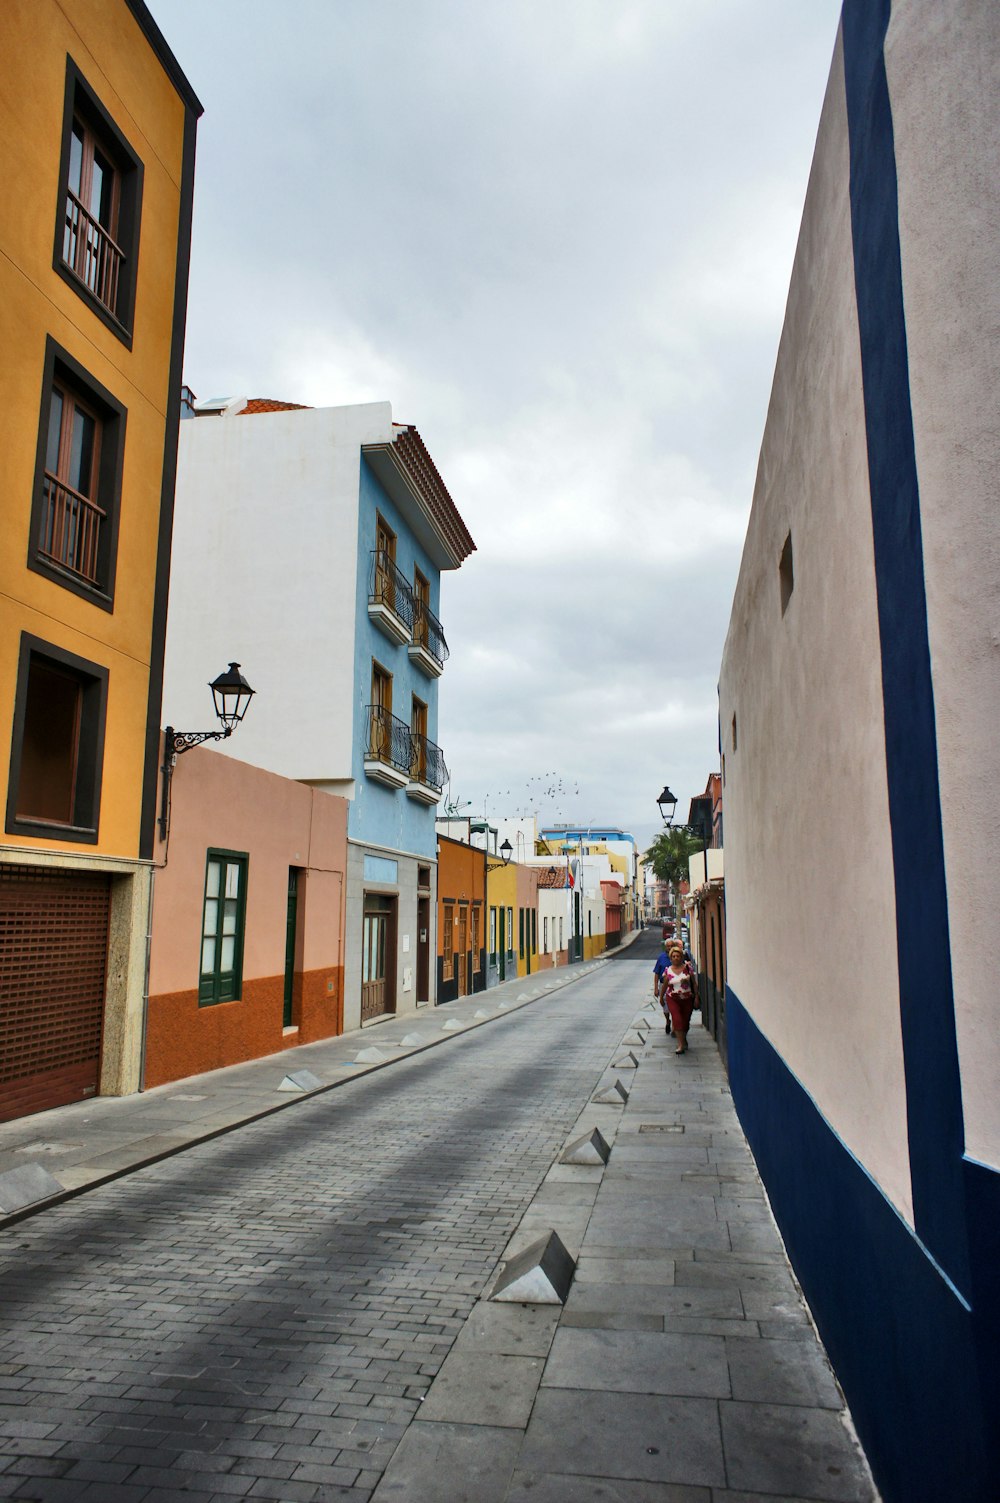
{"points": [[669, 854]]}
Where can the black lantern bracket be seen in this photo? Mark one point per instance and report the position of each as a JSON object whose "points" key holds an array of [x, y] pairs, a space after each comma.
{"points": [[231, 695]]}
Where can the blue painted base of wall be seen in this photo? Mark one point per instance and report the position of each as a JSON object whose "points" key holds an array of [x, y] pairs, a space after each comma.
{"points": [[921, 1371]]}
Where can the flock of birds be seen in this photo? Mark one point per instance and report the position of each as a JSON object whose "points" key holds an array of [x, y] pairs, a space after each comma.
{"points": [[542, 788]]}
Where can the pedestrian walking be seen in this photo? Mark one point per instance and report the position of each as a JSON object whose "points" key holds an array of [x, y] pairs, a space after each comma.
{"points": [[662, 962], [677, 995]]}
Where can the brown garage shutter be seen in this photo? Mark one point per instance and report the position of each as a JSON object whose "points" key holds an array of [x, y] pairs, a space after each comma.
{"points": [[53, 960]]}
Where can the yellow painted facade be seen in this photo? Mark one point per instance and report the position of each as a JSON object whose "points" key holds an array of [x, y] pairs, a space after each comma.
{"points": [[106, 43], [99, 125]]}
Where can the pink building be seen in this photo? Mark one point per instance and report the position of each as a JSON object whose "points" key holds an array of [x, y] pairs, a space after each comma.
{"points": [[247, 936]]}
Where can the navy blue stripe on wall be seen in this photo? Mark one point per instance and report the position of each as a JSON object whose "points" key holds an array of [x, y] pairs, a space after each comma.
{"points": [[902, 1341], [935, 1126]]}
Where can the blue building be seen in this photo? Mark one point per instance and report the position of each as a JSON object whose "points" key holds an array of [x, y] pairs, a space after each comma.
{"points": [[312, 542]]}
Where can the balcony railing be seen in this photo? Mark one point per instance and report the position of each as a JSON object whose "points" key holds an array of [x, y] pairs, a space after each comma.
{"points": [[71, 529], [89, 251], [428, 632], [427, 762], [388, 739], [388, 587]]}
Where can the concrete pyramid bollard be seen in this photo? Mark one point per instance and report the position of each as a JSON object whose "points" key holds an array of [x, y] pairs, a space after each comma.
{"points": [[371, 1056], [300, 1080], [633, 1037], [614, 1095], [482, 1013], [592, 1148], [411, 1039], [626, 1061], [453, 1023], [26, 1185], [541, 1275]]}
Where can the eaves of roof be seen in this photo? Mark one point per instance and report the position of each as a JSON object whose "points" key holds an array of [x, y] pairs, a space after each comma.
{"points": [[404, 461]]}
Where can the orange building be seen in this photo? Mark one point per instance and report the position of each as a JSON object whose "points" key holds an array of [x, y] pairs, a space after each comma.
{"points": [[247, 953], [461, 907], [99, 126]]}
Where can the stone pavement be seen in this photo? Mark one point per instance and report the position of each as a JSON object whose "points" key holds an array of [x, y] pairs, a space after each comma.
{"points": [[93, 1142], [298, 1310]]}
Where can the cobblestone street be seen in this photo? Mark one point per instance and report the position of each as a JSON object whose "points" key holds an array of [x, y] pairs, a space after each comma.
{"points": [[274, 1305]]}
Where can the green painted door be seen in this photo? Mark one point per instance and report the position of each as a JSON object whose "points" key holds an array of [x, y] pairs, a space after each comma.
{"points": [[290, 933], [502, 952]]}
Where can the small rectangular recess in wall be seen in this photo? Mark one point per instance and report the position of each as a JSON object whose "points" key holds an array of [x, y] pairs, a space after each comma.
{"points": [[786, 574], [734, 733]]}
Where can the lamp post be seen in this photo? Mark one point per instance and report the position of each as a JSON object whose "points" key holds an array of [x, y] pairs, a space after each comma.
{"points": [[231, 696], [506, 851]]}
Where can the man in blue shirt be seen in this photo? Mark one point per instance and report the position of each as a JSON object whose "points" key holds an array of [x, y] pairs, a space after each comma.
{"points": [[658, 970]]}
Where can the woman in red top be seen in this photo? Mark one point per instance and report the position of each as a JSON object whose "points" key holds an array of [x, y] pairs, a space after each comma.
{"points": [[677, 995]]}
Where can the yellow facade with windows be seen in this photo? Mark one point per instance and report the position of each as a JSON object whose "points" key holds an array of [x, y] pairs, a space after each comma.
{"points": [[100, 128]]}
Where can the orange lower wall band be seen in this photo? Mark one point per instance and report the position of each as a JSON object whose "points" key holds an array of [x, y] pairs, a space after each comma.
{"points": [[185, 1039]]}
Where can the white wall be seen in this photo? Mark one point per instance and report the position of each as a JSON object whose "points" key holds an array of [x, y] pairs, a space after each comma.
{"points": [[810, 896], [949, 233], [264, 571]]}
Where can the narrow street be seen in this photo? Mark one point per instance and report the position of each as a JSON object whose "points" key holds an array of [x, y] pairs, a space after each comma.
{"points": [[263, 1315], [297, 1284]]}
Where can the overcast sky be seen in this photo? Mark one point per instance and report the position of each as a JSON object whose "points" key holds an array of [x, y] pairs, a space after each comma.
{"points": [[557, 236]]}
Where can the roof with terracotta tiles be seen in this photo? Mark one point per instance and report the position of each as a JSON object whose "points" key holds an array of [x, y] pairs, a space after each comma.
{"points": [[423, 475], [268, 404]]}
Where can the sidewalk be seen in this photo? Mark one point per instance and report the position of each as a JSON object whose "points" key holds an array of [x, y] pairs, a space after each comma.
{"points": [[683, 1367], [91, 1142]]}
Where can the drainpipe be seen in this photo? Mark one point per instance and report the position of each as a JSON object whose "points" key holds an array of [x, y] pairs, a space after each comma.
{"points": [[145, 981]]}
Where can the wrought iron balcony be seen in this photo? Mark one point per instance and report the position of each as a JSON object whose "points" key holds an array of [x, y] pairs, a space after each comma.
{"points": [[387, 753], [427, 767], [90, 252], [71, 529], [429, 650], [390, 598]]}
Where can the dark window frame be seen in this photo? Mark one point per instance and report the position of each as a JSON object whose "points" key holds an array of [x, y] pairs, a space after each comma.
{"points": [[81, 103], [62, 371], [93, 678], [242, 859]]}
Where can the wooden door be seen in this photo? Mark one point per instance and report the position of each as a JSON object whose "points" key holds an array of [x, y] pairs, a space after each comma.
{"points": [[462, 951], [378, 957]]}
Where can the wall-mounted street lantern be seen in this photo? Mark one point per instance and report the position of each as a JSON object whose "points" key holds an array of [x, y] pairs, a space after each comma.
{"points": [[231, 695], [506, 851], [667, 805]]}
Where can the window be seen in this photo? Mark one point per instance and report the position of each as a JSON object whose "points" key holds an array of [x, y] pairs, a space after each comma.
{"points": [[520, 933], [448, 943], [475, 936], [510, 931], [534, 930], [100, 195], [560, 934], [493, 936], [380, 727], [786, 574], [385, 563], [418, 735], [222, 927], [545, 936], [421, 605], [78, 480], [57, 745]]}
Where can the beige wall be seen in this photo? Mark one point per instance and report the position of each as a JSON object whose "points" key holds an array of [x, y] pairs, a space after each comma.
{"points": [[810, 896], [948, 210]]}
